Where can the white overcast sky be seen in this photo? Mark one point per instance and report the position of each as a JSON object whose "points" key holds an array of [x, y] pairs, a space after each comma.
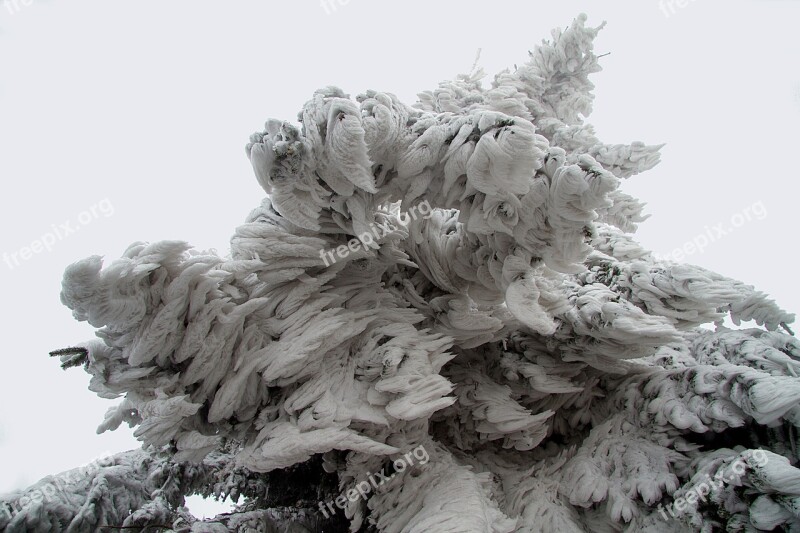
{"points": [[148, 105]]}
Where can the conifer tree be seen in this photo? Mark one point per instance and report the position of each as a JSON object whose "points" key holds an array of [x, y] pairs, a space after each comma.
{"points": [[437, 318]]}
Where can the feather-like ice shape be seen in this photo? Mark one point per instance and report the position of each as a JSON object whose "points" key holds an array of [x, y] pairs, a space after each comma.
{"points": [[624, 213], [281, 444], [162, 418], [345, 144], [522, 299], [420, 396], [627, 160], [194, 446], [686, 294], [440, 496], [616, 464], [773, 352], [600, 313], [506, 158], [464, 321], [495, 415]]}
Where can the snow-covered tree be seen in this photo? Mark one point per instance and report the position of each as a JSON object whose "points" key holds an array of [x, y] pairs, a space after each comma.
{"points": [[512, 360]]}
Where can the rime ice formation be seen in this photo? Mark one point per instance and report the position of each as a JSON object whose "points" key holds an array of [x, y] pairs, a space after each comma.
{"points": [[554, 371]]}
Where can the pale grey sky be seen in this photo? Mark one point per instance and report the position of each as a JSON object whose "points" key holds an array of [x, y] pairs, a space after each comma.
{"points": [[146, 107]]}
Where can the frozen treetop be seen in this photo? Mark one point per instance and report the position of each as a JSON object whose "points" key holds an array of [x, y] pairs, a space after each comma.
{"points": [[457, 275]]}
